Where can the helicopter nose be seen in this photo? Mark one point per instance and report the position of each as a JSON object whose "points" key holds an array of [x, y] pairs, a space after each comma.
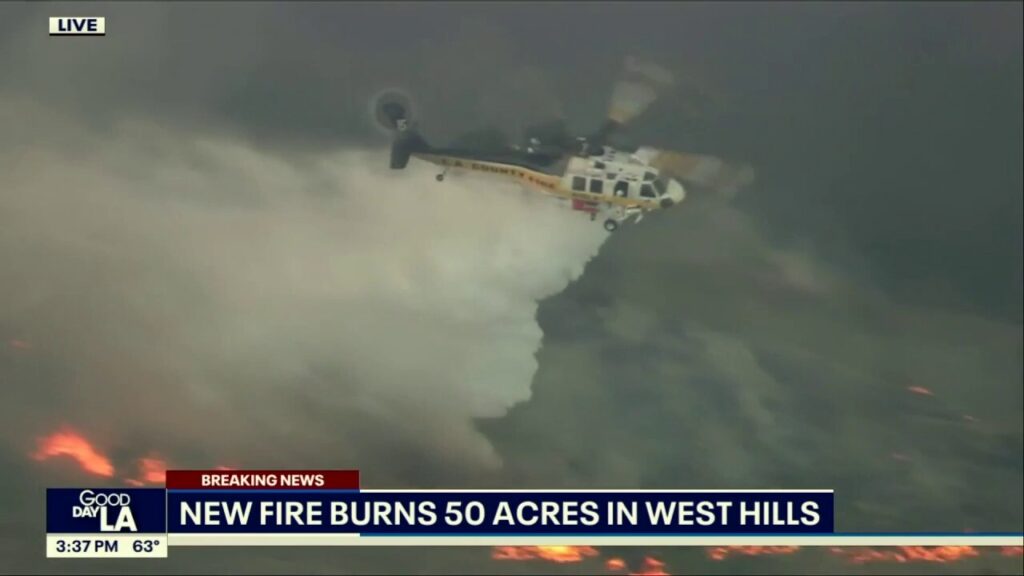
{"points": [[674, 194]]}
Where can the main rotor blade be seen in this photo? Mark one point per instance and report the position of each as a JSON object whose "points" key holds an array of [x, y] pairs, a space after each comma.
{"points": [[490, 139], [553, 132], [708, 172], [639, 87], [528, 103]]}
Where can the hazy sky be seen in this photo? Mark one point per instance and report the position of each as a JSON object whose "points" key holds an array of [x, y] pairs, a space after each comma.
{"points": [[204, 259]]}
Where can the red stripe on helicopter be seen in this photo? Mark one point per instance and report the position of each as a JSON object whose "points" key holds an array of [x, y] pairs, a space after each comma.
{"points": [[583, 205]]}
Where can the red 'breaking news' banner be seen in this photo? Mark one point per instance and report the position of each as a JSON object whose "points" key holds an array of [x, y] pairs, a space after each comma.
{"points": [[263, 479]]}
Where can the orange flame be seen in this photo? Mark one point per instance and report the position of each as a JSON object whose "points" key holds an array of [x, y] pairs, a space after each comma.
{"points": [[152, 470], [723, 552], [17, 344], [68, 442], [654, 567], [558, 554], [615, 564], [920, 390], [651, 567], [904, 554]]}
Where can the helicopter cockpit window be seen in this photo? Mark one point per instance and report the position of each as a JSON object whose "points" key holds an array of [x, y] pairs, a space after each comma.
{"points": [[596, 186], [659, 185], [579, 183], [622, 188], [647, 191]]}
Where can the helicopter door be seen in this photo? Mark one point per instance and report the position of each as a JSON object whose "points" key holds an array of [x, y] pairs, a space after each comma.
{"points": [[621, 189]]}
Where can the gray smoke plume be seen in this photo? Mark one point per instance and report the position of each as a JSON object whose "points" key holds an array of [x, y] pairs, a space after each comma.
{"points": [[203, 294]]}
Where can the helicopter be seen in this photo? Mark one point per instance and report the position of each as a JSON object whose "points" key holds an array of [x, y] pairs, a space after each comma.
{"points": [[586, 173]]}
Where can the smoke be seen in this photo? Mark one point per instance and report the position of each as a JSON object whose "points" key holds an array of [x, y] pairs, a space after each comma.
{"points": [[201, 297]]}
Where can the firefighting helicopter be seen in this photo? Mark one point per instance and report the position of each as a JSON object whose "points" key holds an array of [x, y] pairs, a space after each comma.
{"points": [[585, 173]]}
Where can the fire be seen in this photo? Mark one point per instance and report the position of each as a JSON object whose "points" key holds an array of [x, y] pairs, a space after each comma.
{"points": [[558, 554], [615, 564], [899, 555], [152, 470], [68, 442], [723, 552], [654, 567], [570, 554], [920, 390], [651, 567], [512, 553], [18, 344], [904, 554]]}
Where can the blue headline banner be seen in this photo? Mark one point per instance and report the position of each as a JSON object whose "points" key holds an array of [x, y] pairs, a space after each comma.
{"points": [[379, 512]]}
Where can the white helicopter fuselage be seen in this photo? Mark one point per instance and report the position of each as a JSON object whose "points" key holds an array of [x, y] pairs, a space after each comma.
{"points": [[622, 179], [615, 183]]}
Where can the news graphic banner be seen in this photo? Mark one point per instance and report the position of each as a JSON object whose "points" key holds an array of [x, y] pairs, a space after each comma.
{"points": [[106, 523], [328, 507]]}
